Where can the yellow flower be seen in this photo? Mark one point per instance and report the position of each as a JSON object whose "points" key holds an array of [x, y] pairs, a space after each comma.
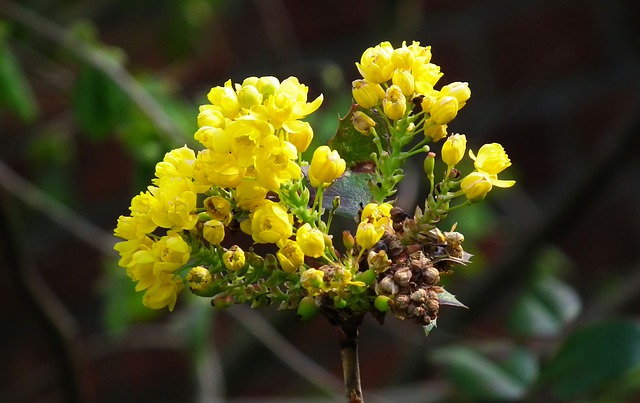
{"points": [[212, 116], [377, 214], [171, 253], [289, 102], [219, 209], [326, 166], [310, 240], [271, 223], [249, 194], [141, 209], [444, 110], [491, 159], [475, 186], [436, 132], [199, 278], [221, 169], [425, 74], [164, 292], [267, 85], [404, 79], [367, 94], [368, 234], [226, 99], [176, 203], [213, 232], [234, 259], [249, 95], [178, 162], [459, 91], [362, 122], [394, 103], [290, 256], [299, 134], [312, 281], [402, 57], [375, 64], [214, 138], [275, 163], [247, 133], [127, 249], [453, 149]]}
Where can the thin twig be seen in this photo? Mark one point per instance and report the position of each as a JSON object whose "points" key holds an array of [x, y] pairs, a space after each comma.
{"points": [[30, 194], [288, 353], [101, 62], [348, 340]]}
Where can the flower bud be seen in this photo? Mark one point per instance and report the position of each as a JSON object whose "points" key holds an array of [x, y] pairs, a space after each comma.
{"points": [[402, 276], [347, 240], [362, 122], [402, 58], [326, 166], [218, 208], [307, 308], [234, 258], [453, 149], [426, 103], [199, 279], [458, 90], [394, 103], [267, 86], [339, 303], [436, 132], [222, 300], [299, 133], [444, 110], [475, 186], [429, 163], [404, 80], [248, 95], [366, 93], [367, 277], [310, 240], [381, 303], [213, 232], [387, 286]]}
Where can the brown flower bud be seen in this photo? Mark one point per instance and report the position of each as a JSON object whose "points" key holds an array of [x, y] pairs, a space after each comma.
{"points": [[432, 276], [420, 295], [403, 276], [387, 286]]}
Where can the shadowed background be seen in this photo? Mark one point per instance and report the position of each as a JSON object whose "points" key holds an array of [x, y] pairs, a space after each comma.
{"points": [[92, 94]]}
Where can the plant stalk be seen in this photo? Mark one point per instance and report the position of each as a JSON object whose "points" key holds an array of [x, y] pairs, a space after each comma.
{"points": [[348, 339]]}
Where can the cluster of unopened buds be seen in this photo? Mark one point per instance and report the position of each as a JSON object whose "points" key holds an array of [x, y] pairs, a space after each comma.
{"points": [[244, 220]]}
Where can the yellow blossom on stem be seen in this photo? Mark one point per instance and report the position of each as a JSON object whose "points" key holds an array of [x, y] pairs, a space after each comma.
{"points": [[234, 259], [213, 232], [459, 91], [312, 281], [299, 134], [368, 234], [394, 103], [491, 159], [367, 94], [453, 149], [378, 214], [404, 80], [436, 132], [249, 194], [218, 208], [178, 163], [171, 252], [402, 57], [164, 292], [226, 99], [199, 278], [271, 223], [275, 163], [444, 110], [221, 169], [211, 116], [310, 240], [475, 186], [375, 64], [326, 166], [290, 256], [176, 203], [362, 123]]}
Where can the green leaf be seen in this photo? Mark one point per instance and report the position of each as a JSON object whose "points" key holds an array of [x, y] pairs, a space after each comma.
{"points": [[544, 309], [98, 104], [428, 328], [15, 91], [446, 298], [593, 355], [476, 376], [353, 189], [353, 146]]}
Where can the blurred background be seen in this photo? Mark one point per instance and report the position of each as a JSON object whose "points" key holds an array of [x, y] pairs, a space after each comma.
{"points": [[92, 94]]}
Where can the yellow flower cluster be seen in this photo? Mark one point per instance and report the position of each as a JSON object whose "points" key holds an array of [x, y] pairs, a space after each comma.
{"points": [[398, 78], [253, 134]]}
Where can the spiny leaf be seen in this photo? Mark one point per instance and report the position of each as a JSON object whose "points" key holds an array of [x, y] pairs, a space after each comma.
{"points": [[353, 189], [428, 328], [446, 298], [353, 146]]}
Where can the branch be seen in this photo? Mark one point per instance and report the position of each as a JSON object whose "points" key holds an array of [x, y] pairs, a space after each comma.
{"points": [[98, 60]]}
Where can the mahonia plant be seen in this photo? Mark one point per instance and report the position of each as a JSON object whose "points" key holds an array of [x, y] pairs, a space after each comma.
{"points": [[247, 220]]}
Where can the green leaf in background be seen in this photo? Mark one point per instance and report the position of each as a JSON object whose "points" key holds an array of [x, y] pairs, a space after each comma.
{"points": [[545, 309], [353, 146], [15, 90], [98, 104], [592, 356], [476, 376]]}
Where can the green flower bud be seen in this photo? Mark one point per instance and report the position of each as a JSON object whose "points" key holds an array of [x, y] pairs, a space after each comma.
{"points": [[382, 303], [367, 277], [307, 308]]}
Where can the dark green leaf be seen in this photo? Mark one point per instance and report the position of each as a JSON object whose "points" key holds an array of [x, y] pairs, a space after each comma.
{"points": [[353, 189], [476, 376], [15, 91], [353, 146], [592, 356]]}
